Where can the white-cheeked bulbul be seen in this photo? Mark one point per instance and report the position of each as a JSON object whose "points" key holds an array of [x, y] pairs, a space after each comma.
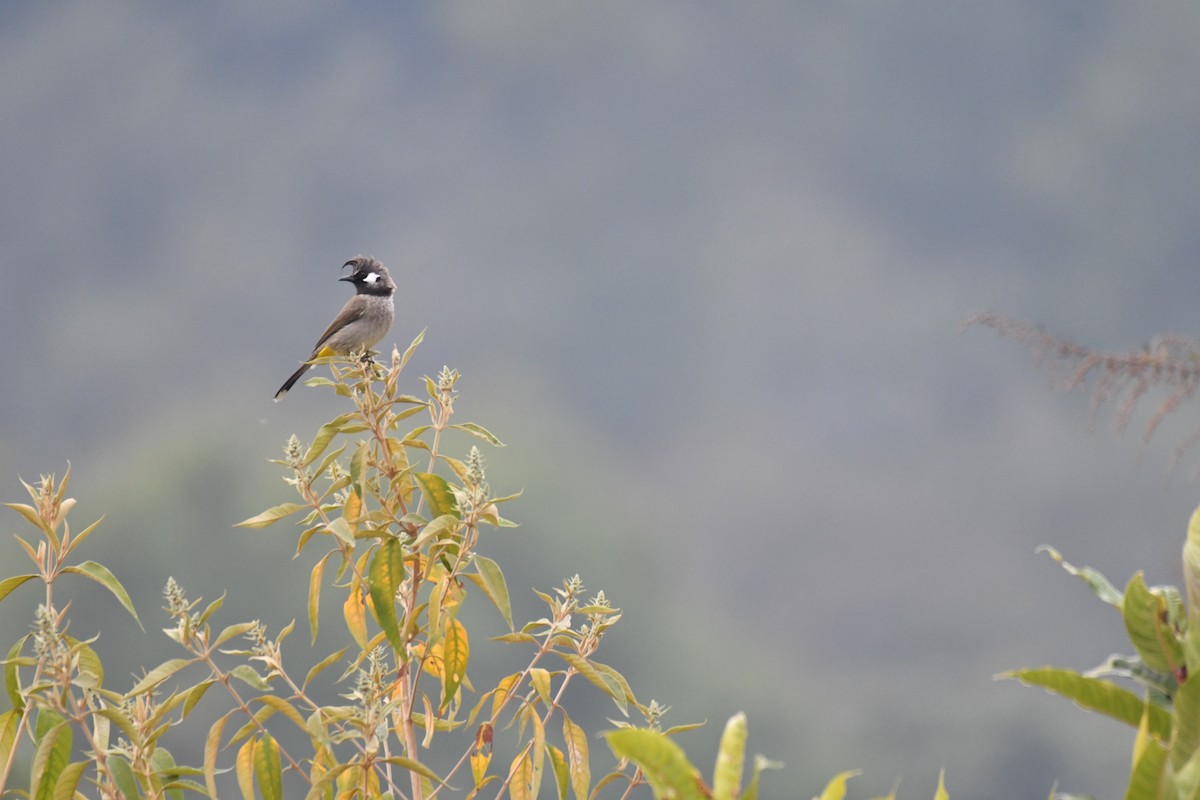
{"points": [[362, 322]]}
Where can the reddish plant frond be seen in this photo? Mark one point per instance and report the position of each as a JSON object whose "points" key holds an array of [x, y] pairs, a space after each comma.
{"points": [[1171, 361]]}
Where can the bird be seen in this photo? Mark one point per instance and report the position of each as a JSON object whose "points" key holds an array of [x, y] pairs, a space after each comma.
{"points": [[363, 321]]}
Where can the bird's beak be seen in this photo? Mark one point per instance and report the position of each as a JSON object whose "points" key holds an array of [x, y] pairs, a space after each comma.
{"points": [[346, 278]]}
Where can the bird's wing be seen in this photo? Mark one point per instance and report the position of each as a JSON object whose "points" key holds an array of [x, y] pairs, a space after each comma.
{"points": [[353, 310]]}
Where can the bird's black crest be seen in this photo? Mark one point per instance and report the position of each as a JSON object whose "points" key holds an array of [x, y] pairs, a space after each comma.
{"points": [[363, 264]]}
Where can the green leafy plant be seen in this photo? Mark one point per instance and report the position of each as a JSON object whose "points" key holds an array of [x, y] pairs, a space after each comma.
{"points": [[1163, 623], [1164, 704], [399, 520]]}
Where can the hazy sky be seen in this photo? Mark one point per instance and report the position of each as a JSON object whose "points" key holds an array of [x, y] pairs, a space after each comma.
{"points": [[702, 265]]}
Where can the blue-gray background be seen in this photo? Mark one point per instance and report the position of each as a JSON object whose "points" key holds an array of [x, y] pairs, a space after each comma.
{"points": [[702, 266]]}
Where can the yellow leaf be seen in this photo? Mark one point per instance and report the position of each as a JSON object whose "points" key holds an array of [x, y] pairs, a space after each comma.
{"points": [[577, 757], [455, 653], [540, 679], [386, 573], [434, 664], [502, 690], [481, 754], [314, 593], [521, 786], [941, 793], [245, 769], [836, 788], [352, 509], [268, 517], [355, 612]]}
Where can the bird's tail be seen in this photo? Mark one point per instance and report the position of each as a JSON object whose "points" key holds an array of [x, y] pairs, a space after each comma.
{"points": [[290, 382]]}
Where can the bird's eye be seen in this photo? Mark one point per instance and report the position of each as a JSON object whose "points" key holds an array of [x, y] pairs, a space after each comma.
{"points": [[371, 277]]}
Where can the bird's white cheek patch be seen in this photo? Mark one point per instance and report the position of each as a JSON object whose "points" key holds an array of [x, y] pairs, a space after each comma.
{"points": [[371, 277]]}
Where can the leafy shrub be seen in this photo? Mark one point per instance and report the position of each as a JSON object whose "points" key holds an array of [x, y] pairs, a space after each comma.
{"points": [[399, 520]]}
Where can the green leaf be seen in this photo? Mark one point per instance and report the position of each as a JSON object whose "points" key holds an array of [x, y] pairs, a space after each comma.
{"points": [[1100, 585], [1147, 621], [341, 529], [326, 461], [489, 578], [1191, 563], [516, 637], [232, 631], [89, 662], [412, 765], [618, 678], [12, 678], [195, 694], [540, 679], [1160, 684], [480, 431], [82, 536], [212, 608], [562, 774], [163, 764], [437, 493], [114, 714], [53, 753], [444, 525], [101, 575], [727, 774], [159, 674], [123, 776], [8, 584], [324, 437], [1098, 695], [386, 574], [1186, 781], [8, 734], [358, 469], [661, 760], [271, 516], [68, 780], [268, 768], [1186, 739], [332, 658], [249, 676], [283, 707], [761, 764], [836, 788], [31, 516], [412, 348], [615, 775], [605, 683]]}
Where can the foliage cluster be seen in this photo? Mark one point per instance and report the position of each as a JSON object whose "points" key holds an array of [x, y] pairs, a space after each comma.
{"points": [[1164, 631], [399, 520], [1163, 624]]}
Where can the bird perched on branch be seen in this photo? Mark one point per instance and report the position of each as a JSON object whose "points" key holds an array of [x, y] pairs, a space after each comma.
{"points": [[362, 322]]}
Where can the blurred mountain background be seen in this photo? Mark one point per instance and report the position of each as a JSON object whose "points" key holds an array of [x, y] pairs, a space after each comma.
{"points": [[702, 267]]}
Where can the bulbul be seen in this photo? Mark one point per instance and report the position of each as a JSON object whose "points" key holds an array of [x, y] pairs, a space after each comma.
{"points": [[362, 322]]}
